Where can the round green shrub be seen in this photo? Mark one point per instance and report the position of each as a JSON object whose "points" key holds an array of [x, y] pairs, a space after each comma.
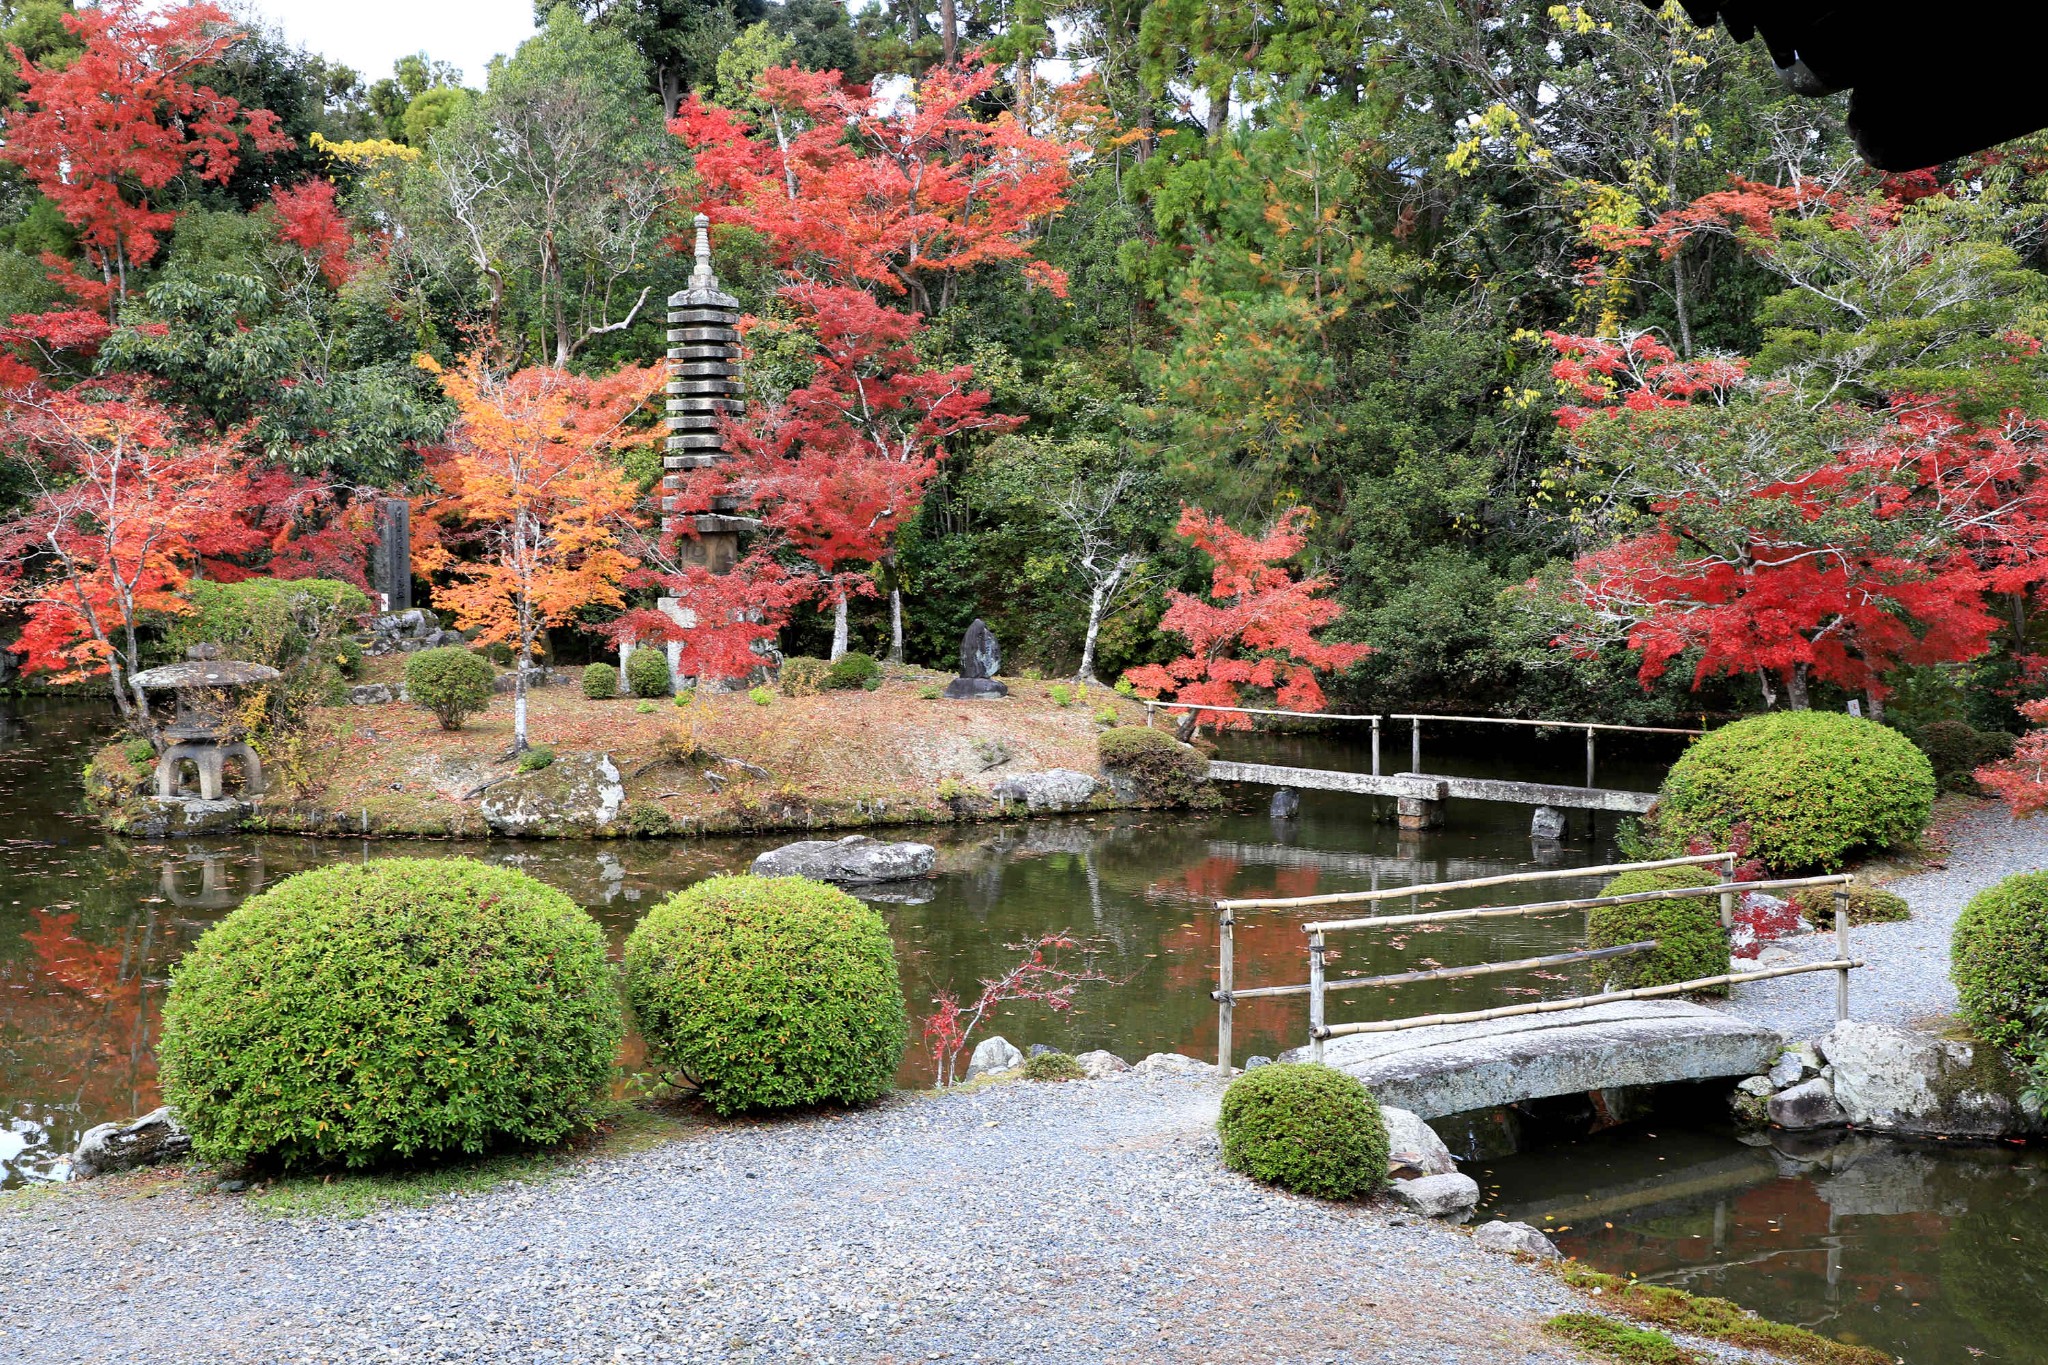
{"points": [[769, 993], [1690, 940], [1053, 1066], [1867, 905], [405, 1008], [452, 683], [802, 676], [536, 758], [1307, 1128], [1164, 771], [853, 671], [1811, 787], [1998, 958], [647, 672], [600, 682]]}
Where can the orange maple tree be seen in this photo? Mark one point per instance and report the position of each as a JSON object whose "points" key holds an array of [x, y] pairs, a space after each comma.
{"points": [[1257, 628], [532, 493]]}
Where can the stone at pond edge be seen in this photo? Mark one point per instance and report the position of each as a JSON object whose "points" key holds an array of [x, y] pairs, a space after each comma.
{"points": [[1053, 789], [1100, 1064], [1286, 804], [1810, 1105], [1039, 1050], [1254, 1063], [154, 1138], [856, 858], [1512, 1237], [1413, 1147], [1173, 1064], [1438, 1196], [576, 794], [1790, 1069], [1546, 823], [1907, 1081], [992, 1054]]}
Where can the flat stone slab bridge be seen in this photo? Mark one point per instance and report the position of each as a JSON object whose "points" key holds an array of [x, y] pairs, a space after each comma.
{"points": [[1452, 1068], [1434, 788]]}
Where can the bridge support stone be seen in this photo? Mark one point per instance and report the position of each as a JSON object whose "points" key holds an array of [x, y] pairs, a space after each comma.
{"points": [[1412, 812]]}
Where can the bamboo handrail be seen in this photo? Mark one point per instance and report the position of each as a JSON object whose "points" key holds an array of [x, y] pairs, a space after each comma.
{"points": [[1448, 973], [1674, 893], [1583, 1001], [1470, 883]]}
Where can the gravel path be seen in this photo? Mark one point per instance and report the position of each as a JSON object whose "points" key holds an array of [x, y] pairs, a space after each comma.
{"points": [[1083, 1222], [1907, 979]]}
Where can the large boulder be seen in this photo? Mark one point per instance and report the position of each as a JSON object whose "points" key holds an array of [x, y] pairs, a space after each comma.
{"points": [[993, 1054], [1053, 789], [1100, 1065], [1173, 1064], [856, 858], [1810, 1104], [1904, 1080], [1438, 1196], [1515, 1237], [575, 794], [154, 1138], [1413, 1147]]}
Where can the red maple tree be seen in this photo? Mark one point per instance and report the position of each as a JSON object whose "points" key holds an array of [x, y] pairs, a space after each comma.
{"points": [[1255, 630], [102, 131]]}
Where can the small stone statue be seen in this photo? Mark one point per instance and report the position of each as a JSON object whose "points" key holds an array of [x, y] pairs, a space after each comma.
{"points": [[980, 660]]}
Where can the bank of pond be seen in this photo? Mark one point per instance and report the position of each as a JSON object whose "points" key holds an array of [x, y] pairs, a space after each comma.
{"points": [[91, 927]]}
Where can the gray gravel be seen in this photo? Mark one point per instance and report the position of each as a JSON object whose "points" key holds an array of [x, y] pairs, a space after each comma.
{"points": [[1083, 1222], [1906, 981]]}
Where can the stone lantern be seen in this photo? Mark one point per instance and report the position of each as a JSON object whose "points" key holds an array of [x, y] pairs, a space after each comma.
{"points": [[202, 730]]}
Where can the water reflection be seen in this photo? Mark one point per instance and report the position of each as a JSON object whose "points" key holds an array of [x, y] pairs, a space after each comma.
{"points": [[1934, 1252]]}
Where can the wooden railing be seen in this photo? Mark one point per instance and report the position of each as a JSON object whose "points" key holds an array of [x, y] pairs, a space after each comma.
{"points": [[1318, 987]]}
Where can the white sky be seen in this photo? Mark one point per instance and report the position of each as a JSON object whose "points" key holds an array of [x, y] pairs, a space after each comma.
{"points": [[370, 35]]}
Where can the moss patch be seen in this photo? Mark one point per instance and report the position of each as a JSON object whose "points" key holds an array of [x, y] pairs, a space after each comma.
{"points": [[1714, 1319], [1611, 1340]]}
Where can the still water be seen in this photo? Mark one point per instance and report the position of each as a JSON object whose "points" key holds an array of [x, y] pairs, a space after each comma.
{"points": [[90, 926]]}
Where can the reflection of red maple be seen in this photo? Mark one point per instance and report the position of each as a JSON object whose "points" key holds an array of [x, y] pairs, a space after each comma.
{"points": [[82, 1013]]}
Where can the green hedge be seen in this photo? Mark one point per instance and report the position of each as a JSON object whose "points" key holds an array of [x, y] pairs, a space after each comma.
{"points": [[647, 672], [769, 993], [452, 683], [273, 621], [409, 1007], [851, 672], [600, 682], [1307, 1128], [1998, 958], [1164, 771], [1811, 787], [1691, 942], [1956, 750]]}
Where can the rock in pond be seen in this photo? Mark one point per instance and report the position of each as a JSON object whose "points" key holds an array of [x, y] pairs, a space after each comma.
{"points": [[993, 1054], [1513, 1237], [1904, 1080], [1413, 1147], [1286, 804], [154, 1138], [1546, 822], [575, 794], [856, 858], [1438, 1196], [1053, 789], [1099, 1065], [1810, 1104]]}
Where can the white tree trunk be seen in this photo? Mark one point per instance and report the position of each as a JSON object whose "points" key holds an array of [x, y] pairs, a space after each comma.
{"points": [[1086, 672], [895, 625], [519, 701], [839, 627]]}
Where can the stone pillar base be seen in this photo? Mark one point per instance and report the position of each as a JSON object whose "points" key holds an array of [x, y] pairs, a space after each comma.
{"points": [[1412, 812]]}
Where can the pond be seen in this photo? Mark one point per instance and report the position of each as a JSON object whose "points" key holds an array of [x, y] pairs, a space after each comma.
{"points": [[90, 926]]}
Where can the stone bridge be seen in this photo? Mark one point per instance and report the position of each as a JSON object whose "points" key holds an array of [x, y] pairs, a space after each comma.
{"points": [[1451, 1068]]}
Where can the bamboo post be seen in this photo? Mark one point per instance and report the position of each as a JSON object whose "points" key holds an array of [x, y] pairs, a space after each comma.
{"points": [[1315, 997], [1841, 952], [1148, 715], [1728, 897], [1226, 982], [1375, 746], [1415, 744]]}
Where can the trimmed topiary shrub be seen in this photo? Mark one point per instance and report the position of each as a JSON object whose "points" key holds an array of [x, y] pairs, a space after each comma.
{"points": [[1690, 940], [1998, 958], [405, 1008], [1164, 771], [1811, 787], [1053, 1066], [1867, 905], [452, 683], [769, 993], [1307, 1128], [647, 672], [802, 676], [1956, 751], [853, 671], [600, 682]]}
